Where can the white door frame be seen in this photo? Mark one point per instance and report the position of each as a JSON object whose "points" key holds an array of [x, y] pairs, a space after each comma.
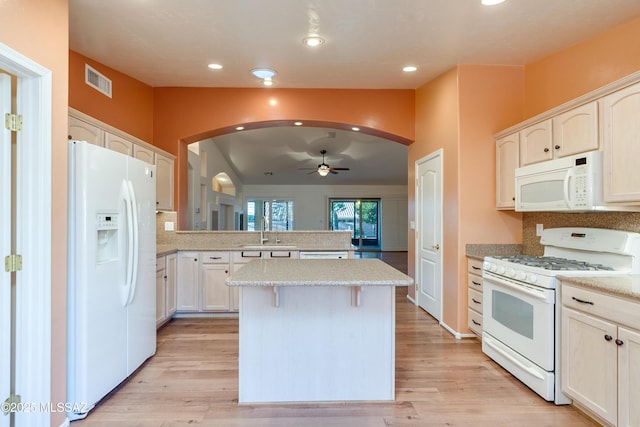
{"points": [[33, 234], [418, 212]]}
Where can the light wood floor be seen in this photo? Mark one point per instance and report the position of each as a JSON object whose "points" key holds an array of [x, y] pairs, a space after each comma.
{"points": [[440, 381]]}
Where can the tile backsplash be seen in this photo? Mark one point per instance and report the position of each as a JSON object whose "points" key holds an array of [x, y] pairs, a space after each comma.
{"points": [[626, 221]]}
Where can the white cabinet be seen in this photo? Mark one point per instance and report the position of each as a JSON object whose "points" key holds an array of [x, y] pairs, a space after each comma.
{"points": [[621, 145], [164, 182], [165, 288], [600, 357], [119, 144], [507, 160], [80, 130], [576, 131], [474, 296], [214, 270], [535, 143], [188, 283], [144, 154]]}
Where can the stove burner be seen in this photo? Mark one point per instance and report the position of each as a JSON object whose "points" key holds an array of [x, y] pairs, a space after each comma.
{"points": [[553, 263]]}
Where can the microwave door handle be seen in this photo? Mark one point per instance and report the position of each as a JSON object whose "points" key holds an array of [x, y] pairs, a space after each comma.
{"points": [[567, 188]]}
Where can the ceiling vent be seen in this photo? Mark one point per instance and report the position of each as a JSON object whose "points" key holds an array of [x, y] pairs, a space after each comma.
{"points": [[96, 80]]}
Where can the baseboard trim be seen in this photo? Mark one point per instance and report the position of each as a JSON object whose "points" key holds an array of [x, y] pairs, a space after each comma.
{"points": [[411, 300], [455, 333]]}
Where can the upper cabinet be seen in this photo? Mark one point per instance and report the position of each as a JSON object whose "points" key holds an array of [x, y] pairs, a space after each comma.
{"points": [[576, 131], [621, 145], [79, 130], [535, 143], [86, 128], [507, 149]]}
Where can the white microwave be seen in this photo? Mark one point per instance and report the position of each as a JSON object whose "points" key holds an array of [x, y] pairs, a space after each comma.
{"points": [[567, 184]]}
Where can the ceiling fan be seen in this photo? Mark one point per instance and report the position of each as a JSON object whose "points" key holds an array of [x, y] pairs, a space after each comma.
{"points": [[324, 169]]}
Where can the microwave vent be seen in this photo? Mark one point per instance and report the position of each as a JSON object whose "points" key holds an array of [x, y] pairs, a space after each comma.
{"points": [[97, 80]]}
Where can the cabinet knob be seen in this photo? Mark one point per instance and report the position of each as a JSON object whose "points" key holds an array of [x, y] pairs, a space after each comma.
{"points": [[608, 337], [195, 260], [557, 147], [619, 342], [546, 150]]}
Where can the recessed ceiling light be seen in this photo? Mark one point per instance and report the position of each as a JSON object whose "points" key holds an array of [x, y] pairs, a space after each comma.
{"points": [[492, 2], [313, 41], [264, 73], [409, 68], [297, 123], [215, 66], [355, 129], [240, 128]]}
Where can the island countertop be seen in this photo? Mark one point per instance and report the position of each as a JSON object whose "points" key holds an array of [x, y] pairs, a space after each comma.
{"points": [[318, 272]]}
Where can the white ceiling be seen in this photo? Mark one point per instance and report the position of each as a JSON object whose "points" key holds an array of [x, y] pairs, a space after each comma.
{"points": [[170, 42]]}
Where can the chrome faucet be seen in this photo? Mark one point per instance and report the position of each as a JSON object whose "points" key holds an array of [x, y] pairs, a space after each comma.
{"points": [[262, 227]]}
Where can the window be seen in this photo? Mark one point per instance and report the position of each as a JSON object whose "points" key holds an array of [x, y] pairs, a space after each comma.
{"points": [[277, 215]]}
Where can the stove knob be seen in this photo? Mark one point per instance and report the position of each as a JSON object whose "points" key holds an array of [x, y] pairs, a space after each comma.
{"points": [[511, 272], [533, 278], [501, 270], [486, 265], [521, 275]]}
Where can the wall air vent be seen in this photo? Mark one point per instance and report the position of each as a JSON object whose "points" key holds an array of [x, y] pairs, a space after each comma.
{"points": [[96, 80]]}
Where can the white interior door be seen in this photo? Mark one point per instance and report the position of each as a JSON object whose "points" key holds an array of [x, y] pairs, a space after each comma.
{"points": [[5, 245], [429, 233]]}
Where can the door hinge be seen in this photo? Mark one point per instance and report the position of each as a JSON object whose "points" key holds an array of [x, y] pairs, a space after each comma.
{"points": [[10, 404], [417, 288], [13, 263], [13, 122]]}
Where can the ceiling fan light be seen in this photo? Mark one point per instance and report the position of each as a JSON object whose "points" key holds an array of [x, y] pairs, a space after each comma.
{"points": [[323, 171]]}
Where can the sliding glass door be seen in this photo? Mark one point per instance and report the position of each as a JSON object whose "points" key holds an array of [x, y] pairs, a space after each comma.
{"points": [[361, 216]]}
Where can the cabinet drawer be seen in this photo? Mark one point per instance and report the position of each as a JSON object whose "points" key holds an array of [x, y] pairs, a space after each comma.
{"points": [[246, 256], [160, 263], [475, 321], [214, 257], [616, 309], [474, 282], [475, 266], [474, 300]]}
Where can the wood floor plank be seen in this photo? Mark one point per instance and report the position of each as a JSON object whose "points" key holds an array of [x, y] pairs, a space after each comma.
{"points": [[440, 381]]}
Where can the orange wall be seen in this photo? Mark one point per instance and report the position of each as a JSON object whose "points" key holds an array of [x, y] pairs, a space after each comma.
{"points": [[183, 115], [38, 29], [581, 68], [131, 107]]}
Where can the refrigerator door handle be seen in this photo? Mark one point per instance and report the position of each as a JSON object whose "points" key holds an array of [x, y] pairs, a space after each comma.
{"points": [[135, 248], [126, 196]]}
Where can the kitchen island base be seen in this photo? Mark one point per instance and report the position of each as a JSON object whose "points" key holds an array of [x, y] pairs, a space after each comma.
{"points": [[316, 343]]}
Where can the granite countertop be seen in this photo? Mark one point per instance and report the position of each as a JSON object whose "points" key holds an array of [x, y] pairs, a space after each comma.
{"points": [[318, 272], [627, 286], [166, 249], [479, 251]]}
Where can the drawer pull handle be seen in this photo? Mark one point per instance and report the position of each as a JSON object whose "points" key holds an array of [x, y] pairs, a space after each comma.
{"points": [[476, 323], [476, 283], [476, 301], [581, 301], [476, 268], [215, 257], [619, 342], [608, 337]]}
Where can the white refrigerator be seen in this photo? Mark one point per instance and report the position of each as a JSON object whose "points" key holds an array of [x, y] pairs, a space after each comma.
{"points": [[111, 328]]}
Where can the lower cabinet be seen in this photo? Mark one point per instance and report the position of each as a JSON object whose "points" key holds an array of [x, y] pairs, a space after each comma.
{"points": [[214, 270], [600, 356], [166, 279], [474, 295]]}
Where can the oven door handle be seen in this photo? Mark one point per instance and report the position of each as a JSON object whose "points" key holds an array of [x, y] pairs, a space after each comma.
{"points": [[540, 295]]}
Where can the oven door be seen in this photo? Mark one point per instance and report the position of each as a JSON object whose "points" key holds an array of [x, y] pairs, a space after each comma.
{"points": [[520, 316]]}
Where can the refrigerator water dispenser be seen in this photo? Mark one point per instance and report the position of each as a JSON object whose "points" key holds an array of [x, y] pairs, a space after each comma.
{"points": [[107, 241]]}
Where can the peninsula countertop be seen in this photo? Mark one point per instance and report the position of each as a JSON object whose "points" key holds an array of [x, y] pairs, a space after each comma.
{"points": [[318, 272]]}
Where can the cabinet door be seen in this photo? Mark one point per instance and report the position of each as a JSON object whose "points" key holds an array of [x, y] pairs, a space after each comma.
{"points": [[171, 273], [164, 182], [507, 150], [589, 363], [116, 143], [621, 145], [628, 377], [535, 143], [576, 131], [83, 131], [144, 154], [215, 293], [187, 293], [161, 314]]}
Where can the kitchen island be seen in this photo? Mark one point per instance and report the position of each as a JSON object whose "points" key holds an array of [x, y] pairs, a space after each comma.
{"points": [[317, 330]]}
